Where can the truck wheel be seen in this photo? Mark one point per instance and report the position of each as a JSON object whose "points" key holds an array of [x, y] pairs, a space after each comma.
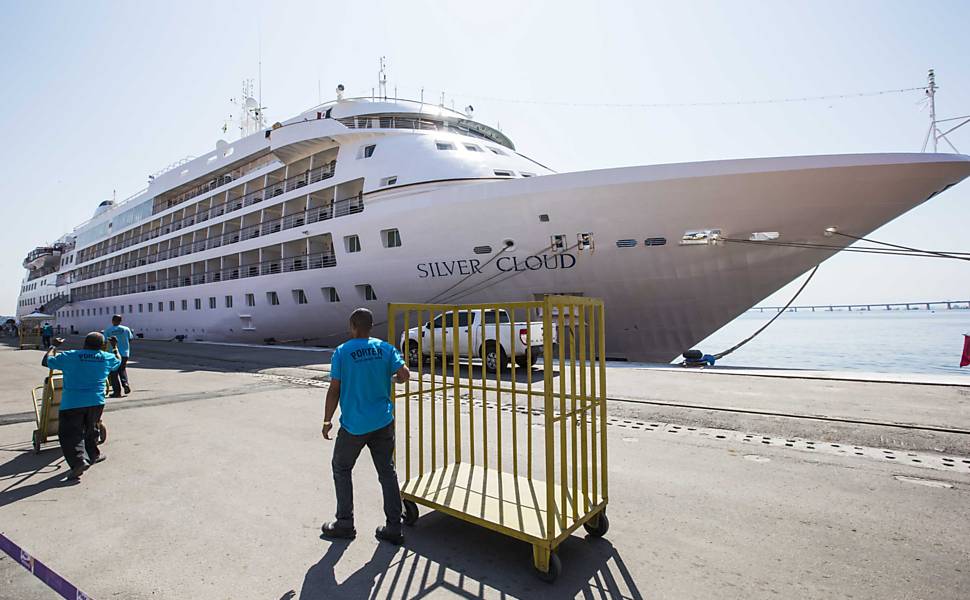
{"points": [[412, 353], [523, 361], [493, 357]]}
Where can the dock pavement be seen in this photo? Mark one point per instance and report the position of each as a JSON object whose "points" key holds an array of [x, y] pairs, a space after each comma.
{"points": [[721, 486]]}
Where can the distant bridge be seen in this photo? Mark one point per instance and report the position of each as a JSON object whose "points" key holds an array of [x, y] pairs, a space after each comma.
{"points": [[933, 305]]}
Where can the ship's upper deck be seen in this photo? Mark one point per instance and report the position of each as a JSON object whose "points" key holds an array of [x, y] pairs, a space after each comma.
{"points": [[230, 161]]}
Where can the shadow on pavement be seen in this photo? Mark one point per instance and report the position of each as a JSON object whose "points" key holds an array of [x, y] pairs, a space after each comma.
{"points": [[26, 466], [444, 555]]}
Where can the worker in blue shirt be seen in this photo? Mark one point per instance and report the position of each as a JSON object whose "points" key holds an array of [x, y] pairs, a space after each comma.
{"points": [[82, 399], [119, 377], [360, 383], [46, 333]]}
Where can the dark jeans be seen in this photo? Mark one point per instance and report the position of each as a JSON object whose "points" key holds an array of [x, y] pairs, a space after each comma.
{"points": [[45, 341], [119, 377], [345, 452], [77, 430]]}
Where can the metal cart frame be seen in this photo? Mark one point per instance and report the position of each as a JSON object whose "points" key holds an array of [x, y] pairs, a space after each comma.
{"points": [[461, 433]]}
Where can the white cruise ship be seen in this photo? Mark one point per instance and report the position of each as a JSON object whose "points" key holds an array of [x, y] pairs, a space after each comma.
{"points": [[364, 201]]}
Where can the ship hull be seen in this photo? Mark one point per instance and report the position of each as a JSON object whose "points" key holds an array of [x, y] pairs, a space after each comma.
{"points": [[661, 299]]}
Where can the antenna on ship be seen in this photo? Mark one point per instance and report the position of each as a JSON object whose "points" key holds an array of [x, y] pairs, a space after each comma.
{"points": [[251, 118], [382, 79], [934, 133]]}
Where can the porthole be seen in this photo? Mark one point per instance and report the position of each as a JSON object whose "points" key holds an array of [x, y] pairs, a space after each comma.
{"points": [[509, 245]]}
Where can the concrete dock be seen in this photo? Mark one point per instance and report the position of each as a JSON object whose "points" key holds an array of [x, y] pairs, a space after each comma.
{"points": [[722, 486]]}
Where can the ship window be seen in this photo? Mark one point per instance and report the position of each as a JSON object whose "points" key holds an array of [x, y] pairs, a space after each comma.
{"points": [[366, 291], [171, 306], [389, 180], [330, 294], [483, 249], [391, 238], [655, 241], [504, 173], [497, 151], [250, 299], [272, 298], [626, 243], [367, 151], [122, 307], [198, 304], [149, 307], [299, 296], [444, 146], [161, 307], [212, 301], [472, 148], [352, 243], [524, 174], [141, 308], [228, 301], [185, 304], [131, 308]]}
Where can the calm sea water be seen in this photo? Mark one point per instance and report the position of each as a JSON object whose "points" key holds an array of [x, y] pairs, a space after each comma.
{"points": [[877, 341]]}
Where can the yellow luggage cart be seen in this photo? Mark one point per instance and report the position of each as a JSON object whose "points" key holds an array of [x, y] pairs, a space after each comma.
{"points": [[47, 406], [491, 440]]}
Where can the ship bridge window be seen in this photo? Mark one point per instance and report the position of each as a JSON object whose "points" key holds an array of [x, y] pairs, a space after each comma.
{"points": [[299, 296], [272, 298], [472, 148], [330, 294], [504, 173], [212, 301], [367, 151], [389, 180], [497, 151], [444, 146], [391, 238], [250, 299], [185, 305]]}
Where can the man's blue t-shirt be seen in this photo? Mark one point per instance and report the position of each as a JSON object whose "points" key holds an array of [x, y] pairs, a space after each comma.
{"points": [[84, 375], [47, 330], [364, 368], [124, 337]]}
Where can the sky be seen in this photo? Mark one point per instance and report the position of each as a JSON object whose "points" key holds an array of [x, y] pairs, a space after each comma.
{"points": [[98, 95]]}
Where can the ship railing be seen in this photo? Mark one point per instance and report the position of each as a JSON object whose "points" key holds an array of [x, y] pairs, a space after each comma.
{"points": [[347, 206], [231, 203], [317, 260]]}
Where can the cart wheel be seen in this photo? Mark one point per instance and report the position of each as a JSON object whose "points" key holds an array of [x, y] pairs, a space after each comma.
{"points": [[601, 526], [555, 568], [36, 442], [102, 433], [410, 513]]}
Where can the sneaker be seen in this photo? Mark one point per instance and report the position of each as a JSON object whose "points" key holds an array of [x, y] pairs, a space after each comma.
{"points": [[127, 389], [332, 530], [388, 534], [76, 472], [101, 458]]}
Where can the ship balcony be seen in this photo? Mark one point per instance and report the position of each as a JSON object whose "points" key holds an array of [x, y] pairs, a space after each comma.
{"points": [[41, 257]]}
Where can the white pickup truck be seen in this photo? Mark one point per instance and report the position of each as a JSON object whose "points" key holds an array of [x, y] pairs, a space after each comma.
{"points": [[492, 343]]}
